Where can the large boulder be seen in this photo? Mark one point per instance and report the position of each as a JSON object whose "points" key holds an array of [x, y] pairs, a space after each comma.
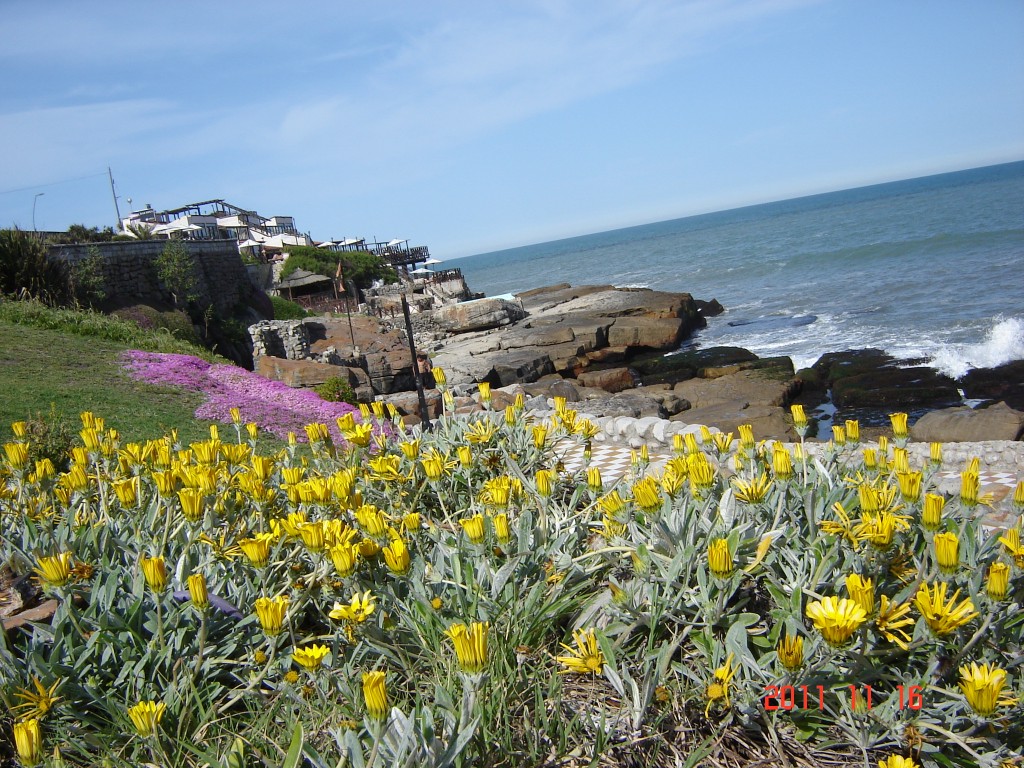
{"points": [[769, 422], [308, 373], [610, 380], [647, 332], [478, 315], [408, 403], [964, 425], [753, 387]]}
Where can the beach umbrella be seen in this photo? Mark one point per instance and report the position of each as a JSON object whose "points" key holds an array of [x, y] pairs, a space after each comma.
{"points": [[326, 244], [433, 261], [421, 271]]}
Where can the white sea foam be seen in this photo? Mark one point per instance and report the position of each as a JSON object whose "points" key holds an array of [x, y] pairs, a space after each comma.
{"points": [[1003, 342]]}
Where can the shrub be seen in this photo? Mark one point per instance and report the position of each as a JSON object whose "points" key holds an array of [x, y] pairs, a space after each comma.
{"points": [[176, 268], [25, 269], [361, 267], [287, 310], [85, 279], [336, 390], [50, 437]]}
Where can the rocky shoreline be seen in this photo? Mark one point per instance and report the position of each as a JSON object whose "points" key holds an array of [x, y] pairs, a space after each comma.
{"points": [[620, 353]]}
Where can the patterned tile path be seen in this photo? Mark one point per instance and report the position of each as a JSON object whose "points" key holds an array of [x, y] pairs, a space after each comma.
{"points": [[615, 461]]}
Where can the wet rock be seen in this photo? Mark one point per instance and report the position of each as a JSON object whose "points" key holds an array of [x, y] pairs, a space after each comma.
{"points": [[871, 378], [1004, 382], [685, 365]]}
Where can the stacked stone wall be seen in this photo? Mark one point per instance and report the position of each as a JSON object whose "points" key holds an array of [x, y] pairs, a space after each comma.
{"points": [[130, 274]]}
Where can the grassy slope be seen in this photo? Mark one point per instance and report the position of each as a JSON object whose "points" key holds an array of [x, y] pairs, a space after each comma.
{"points": [[40, 367]]}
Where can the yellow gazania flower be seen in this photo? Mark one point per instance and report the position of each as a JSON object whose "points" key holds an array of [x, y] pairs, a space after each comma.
{"points": [[612, 527], [127, 492], [439, 376], [970, 487], [594, 480], [897, 761], [540, 436], [720, 561], [842, 527], [935, 453], [359, 609], [166, 482], [433, 464], [155, 571], [982, 686], [647, 495], [862, 592], [879, 529], [1018, 495], [310, 657], [746, 436], [257, 548], [263, 466], [411, 522], [410, 448], [465, 456], [470, 645], [498, 491], [481, 432], [870, 459], [586, 657], [998, 582], [799, 417], [197, 591], [1011, 541], [317, 433], [931, 515], [899, 425], [502, 532], [910, 485], [55, 570], [28, 741], [791, 652], [474, 528], [543, 480], [718, 688], [191, 503], [674, 479], [359, 435], [368, 548], [839, 434], [782, 462], [313, 536], [853, 430], [702, 473], [891, 620], [754, 491], [396, 556], [146, 716], [900, 460], [836, 618], [375, 694], [386, 469], [947, 551], [371, 520], [345, 558], [36, 704], [943, 616], [271, 613]]}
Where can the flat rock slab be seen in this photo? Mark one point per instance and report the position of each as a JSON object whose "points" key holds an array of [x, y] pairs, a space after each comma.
{"points": [[767, 421], [964, 425], [751, 386]]}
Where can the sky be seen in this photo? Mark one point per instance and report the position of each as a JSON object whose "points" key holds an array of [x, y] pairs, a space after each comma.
{"points": [[474, 126]]}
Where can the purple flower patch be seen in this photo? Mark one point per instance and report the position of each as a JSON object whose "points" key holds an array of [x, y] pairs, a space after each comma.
{"points": [[276, 407]]}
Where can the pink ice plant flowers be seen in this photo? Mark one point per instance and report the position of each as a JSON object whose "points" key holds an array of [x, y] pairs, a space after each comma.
{"points": [[276, 407]]}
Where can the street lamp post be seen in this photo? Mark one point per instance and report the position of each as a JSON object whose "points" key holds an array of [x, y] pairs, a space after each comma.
{"points": [[38, 195]]}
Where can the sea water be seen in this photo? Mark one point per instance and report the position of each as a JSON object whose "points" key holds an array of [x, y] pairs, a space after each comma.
{"points": [[929, 268]]}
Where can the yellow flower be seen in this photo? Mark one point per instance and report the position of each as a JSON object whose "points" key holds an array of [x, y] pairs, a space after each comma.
{"points": [[474, 528], [1011, 541], [359, 435], [647, 495], [271, 613], [970, 486], [501, 530], [585, 657], [723, 442], [836, 618], [862, 592], [594, 480], [368, 548], [791, 652], [718, 688], [998, 582], [543, 479], [439, 376], [465, 454], [839, 434], [870, 458], [943, 616], [127, 492], [197, 591], [481, 432], [396, 556], [55, 570], [947, 551], [982, 686], [754, 491], [899, 425], [191, 503], [257, 548], [746, 436], [485, 391], [891, 620], [720, 560], [311, 657], [702, 474], [799, 417], [375, 694], [28, 741], [931, 515], [433, 464], [842, 527], [540, 436], [782, 462], [345, 558], [38, 703], [853, 431], [359, 609], [411, 521], [897, 761], [146, 716], [155, 571], [910, 485], [470, 645], [879, 529], [371, 519]]}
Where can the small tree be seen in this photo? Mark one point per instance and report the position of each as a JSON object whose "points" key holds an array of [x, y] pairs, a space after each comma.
{"points": [[85, 279], [176, 268]]}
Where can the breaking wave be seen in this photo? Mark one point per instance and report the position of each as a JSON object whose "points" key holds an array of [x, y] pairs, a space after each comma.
{"points": [[1003, 342]]}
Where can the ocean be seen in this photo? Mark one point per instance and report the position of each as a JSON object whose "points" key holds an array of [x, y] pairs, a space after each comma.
{"points": [[929, 268]]}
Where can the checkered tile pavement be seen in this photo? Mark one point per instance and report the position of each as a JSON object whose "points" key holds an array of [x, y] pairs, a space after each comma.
{"points": [[615, 462]]}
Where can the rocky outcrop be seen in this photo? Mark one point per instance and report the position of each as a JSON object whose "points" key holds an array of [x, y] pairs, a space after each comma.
{"points": [[477, 315], [610, 379], [871, 378], [1004, 382], [964, 425]]}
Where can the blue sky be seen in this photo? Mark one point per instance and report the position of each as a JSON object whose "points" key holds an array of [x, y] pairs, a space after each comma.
{"points": [[470, 127]]}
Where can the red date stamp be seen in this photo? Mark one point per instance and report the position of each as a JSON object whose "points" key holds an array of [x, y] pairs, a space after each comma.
{"points": [[789, 697]]}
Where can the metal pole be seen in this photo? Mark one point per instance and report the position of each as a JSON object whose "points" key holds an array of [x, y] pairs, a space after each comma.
{"points": [[38, 195], [117, 209], [424, 413], [348, 311]]}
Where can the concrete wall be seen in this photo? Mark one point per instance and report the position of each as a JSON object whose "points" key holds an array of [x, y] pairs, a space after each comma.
{"points": [[130, 274]]}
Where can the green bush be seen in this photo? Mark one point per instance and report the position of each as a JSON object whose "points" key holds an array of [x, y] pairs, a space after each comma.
{"points": [[359, 266], [25, 268], [176, 268], [337, 390], [85, 279], [49, 437], [287, 310], [174, 322]]}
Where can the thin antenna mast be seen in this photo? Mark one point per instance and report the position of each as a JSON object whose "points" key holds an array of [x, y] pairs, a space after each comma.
{"points": [[117, 209]]}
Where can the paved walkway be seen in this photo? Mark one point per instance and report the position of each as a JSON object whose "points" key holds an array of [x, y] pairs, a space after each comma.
{"points": [[615, 460]]}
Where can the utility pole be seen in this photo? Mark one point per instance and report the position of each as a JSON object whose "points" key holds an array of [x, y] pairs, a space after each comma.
{"points": [[424, 411], [38, 195], [117, 210]]}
